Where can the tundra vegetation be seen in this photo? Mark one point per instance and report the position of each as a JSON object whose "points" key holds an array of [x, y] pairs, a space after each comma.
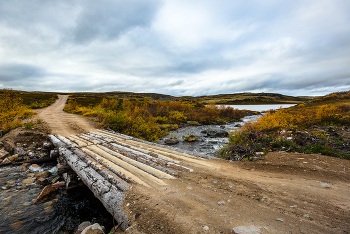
{"points": [[17, 105], [319, 126], [150, 119]]}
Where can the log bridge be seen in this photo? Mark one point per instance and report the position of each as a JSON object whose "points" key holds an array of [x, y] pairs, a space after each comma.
{"points": [[109, 163]]}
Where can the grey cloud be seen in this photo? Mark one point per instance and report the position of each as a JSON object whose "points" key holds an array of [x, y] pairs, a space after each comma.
{"points": [[108, 19]]}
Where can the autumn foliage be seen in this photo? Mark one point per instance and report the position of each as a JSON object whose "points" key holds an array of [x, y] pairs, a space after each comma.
{"points": [[146, 119], [12, 110]]}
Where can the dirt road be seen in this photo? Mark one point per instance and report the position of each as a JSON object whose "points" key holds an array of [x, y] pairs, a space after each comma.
{"points": [[63, 123], [280, 193]]}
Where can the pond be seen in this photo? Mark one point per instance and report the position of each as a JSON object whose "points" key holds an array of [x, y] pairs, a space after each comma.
{"points": [[259, 107]]}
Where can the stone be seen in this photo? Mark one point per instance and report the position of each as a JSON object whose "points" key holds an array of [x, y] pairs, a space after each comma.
{"points": [[34, 167], [279, 219], [43, 174], [28, 181], [59, 184], [6, 161], [46, 193], [205, 228], [171, 141], [325, 185], [82, 226], [217, 132], [246, 230], [221, 203], [13, 157], [9, 146], [20, 151], [42, 181], [93, 229], [3, 153], [191, 139]]}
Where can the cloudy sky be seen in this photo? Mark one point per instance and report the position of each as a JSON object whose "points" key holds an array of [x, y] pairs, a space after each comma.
{"points": [[177, 47]]}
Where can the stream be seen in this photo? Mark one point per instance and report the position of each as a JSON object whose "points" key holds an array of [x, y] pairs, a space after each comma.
{"points": [[60, 214], [207, 145]]}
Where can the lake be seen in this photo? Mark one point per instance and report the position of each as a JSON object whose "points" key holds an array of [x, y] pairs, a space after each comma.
{"points": [[259, 107]]}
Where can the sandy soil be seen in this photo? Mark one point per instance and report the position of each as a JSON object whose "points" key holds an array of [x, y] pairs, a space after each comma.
{"points": [[280, 193], [63, 123]]}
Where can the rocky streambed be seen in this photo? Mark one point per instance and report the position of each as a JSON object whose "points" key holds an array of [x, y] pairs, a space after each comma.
{"points": [[205, 139], [34, 197]]}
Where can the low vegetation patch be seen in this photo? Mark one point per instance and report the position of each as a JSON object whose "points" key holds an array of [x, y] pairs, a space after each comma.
{"points": [[311, 128], [150, 119], [12, 110]]}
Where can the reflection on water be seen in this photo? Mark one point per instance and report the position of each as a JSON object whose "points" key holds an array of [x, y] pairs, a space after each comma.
{"points": [[259, 107], [61, 214]]}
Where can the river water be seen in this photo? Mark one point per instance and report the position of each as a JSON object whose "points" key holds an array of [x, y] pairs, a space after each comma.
{"points": [[60, 214], [260, 107]]}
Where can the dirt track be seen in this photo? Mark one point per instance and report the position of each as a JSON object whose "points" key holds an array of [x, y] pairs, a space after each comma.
{"points": [[62, 123], [307, 193]]}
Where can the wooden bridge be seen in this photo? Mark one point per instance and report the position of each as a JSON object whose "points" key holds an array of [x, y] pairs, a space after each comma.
{"points": [[110, 163]]}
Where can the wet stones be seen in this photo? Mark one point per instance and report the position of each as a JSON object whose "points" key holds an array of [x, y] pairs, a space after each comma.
{"points": [[46, 193], [3, 153], [42, 181], [43, 174], [171, 141], [28, 181], [9, 146], [216, 132], [34, 167]]}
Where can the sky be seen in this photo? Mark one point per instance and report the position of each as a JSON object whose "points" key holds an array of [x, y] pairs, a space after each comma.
{"points": [[176, 47]]}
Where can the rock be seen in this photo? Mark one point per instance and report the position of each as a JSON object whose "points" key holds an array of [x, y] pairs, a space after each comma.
{"points": [[205, 228], [43, 174], [22, 168], [13, 157], [93, 229], [42, 181], [279, 219], [217, 132], [199, 139], [221, 203], [171, 141], [204, 131], [28, 181], [82, 226], [237, 126], [20, 151], [3, 153], [9, 146], [47, 145], [6, 161], [191, 139], [325, 185], [34, 167], [46, 193], [222, 126], [246, 230], [215, 182]]}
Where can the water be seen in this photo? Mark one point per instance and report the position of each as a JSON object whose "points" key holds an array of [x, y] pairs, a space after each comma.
{"points": [[61, 214], [209, 145], [259, 107]]}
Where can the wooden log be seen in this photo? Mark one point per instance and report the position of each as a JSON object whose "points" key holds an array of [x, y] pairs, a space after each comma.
{"points": [[108, 194]]}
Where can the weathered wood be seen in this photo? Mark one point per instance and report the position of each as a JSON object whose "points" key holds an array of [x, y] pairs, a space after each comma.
{"points": [[108, 194]]}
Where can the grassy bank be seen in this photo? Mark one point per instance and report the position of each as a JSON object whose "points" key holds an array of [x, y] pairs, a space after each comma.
{"points": [[319, 126], [149, 119]]}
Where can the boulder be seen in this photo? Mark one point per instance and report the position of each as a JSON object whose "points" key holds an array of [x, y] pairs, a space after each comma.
{"points": [[20, 151], [42, 181], [171, 141], [93, 229], [217, 132], [46, 193], [191, 139], [34, 167], [9, 146], [43, 174], [3, 153], [82, 226]]}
